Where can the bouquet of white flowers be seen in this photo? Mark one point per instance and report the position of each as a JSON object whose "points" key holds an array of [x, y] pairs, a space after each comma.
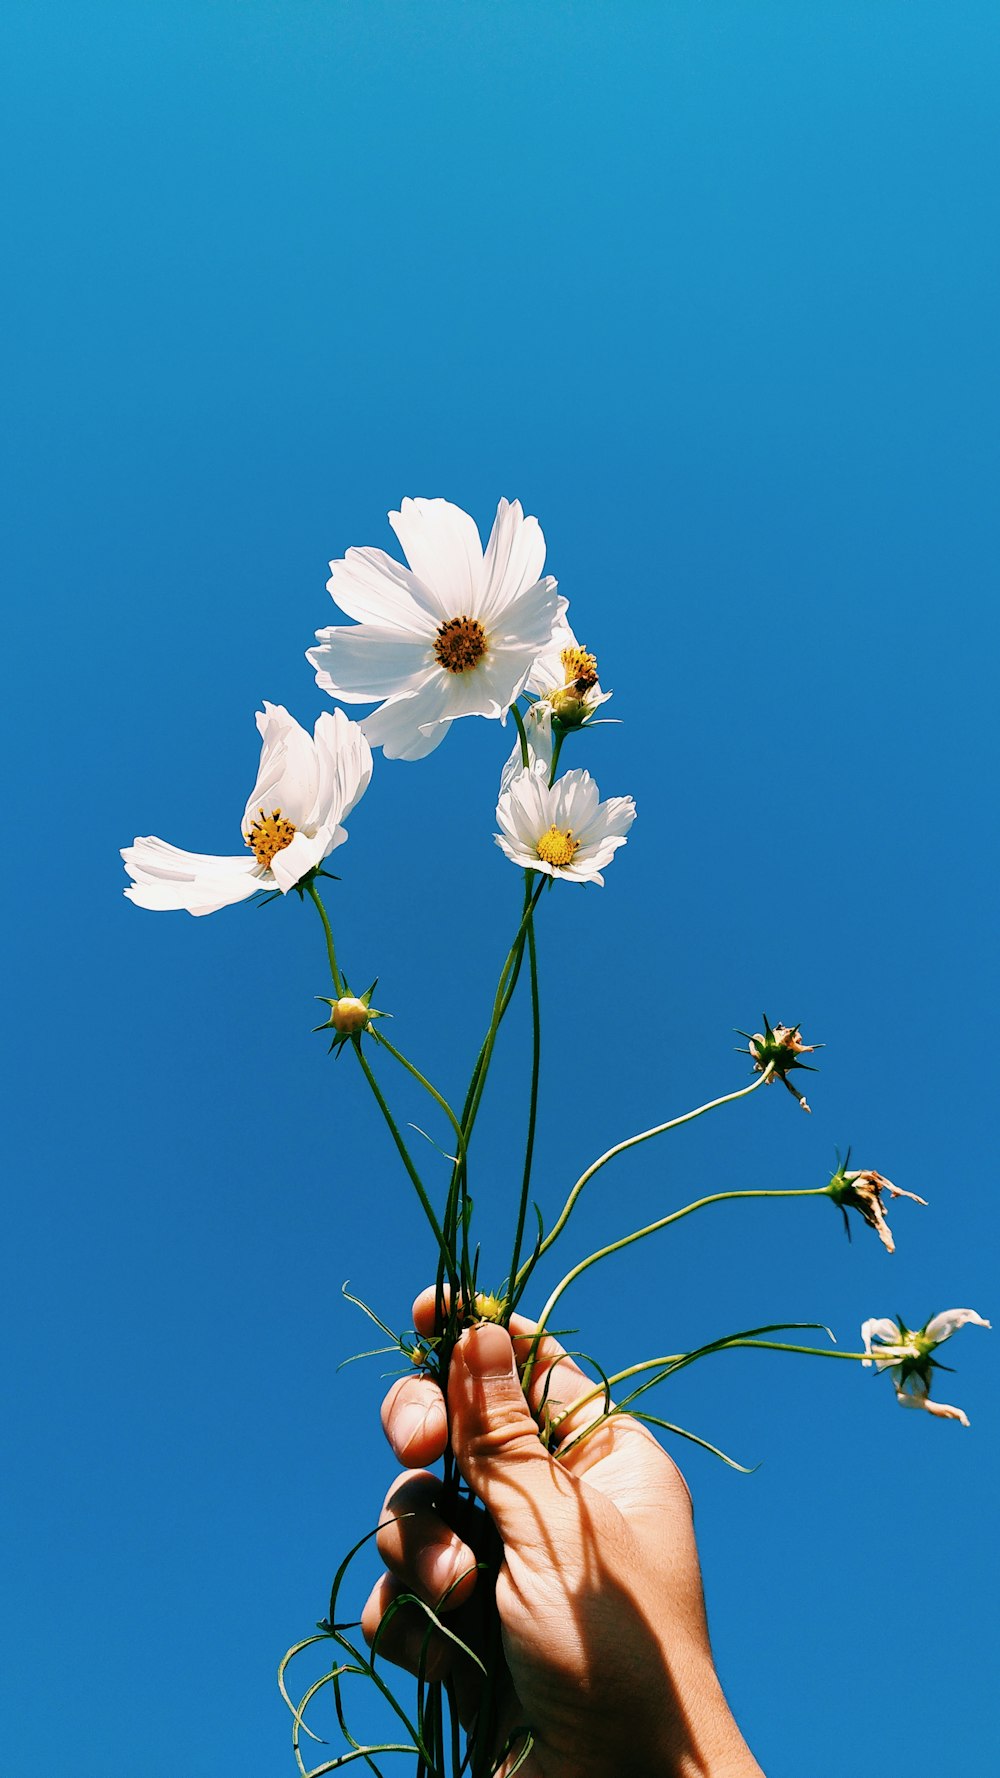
{"points": [[460, 631]]}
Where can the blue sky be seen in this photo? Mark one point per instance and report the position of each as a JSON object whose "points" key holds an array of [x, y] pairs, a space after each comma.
{"points": [[713, 291]]}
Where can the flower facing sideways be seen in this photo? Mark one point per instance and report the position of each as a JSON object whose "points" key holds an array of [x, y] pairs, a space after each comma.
{"points": [[454, 634], [566, 690], [562, 829], [862, 1191], [908, 1357], [306, 786]]}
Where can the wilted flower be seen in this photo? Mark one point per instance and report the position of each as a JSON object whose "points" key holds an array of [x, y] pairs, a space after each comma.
{"points": [[562, 829], [908, 1357], [306, 786], [454, 634], [862, 1191], [778, 1048]]}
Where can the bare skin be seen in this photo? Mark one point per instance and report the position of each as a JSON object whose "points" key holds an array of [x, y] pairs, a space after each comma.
{"points": [[605, 1645]]}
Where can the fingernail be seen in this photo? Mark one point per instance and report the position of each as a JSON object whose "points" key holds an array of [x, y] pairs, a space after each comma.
{"points": [[488, 1352]]}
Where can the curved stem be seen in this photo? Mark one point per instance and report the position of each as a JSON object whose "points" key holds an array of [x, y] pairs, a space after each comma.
{"points": [[556, 750], [619, 1148], [522, 735], [438, 1098], [820, 1191], [500, 1003]]}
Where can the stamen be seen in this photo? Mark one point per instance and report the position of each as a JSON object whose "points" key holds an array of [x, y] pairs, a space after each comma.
{"points": [[579, 667], [557, 846], [460, 644], [271, 834]]}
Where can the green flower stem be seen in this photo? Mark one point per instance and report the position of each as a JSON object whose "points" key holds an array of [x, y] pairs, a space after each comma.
{"points": [[330, 951], [536, 1041], [610, 1154], [447, 1239], [673, 1361], [652, 1228], [521, 734], [500, 1004], [404, 1153], [556, 750]]}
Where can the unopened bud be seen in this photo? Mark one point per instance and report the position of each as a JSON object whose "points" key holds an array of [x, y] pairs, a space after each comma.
{"points": [[488, 1306], [349, 1015], [568, 705]]}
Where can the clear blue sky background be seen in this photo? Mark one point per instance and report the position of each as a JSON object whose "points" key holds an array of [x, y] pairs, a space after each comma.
{"points": [[712, 288]]}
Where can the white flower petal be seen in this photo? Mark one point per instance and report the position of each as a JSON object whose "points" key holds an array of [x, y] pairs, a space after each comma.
{"points": [[525, 625], [373, 587], [292, 863], [287, 777], [359, 663], [514, 559], [344, 760], [395, 725], [441, 544], [166, 878], [529, 806], [941, 1327], [879, 1328], [538, 727]]}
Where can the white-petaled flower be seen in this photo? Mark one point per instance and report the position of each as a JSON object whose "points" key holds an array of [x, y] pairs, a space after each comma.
{"points": [[564, 682], [454, 634], [908, 1357], [306, 786], [562, 829]]}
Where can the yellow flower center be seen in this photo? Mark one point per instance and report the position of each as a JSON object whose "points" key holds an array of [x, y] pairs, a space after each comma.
{"points": [[460, 644], [557, 846], [271, 834], [579, 667]]}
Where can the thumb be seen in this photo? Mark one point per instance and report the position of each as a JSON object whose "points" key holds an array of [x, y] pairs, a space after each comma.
{"points": [[495, 1439]]}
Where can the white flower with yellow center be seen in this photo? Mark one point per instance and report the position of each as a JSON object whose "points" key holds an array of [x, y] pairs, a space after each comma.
{"points": [[306, 786], [908, 1357], [562, 829], [454, 634], [565, 686]]}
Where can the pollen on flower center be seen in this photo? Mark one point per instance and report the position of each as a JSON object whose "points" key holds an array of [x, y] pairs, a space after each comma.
{"points": [[271, 834], [579, 667], [460, 644], [557, 846]]}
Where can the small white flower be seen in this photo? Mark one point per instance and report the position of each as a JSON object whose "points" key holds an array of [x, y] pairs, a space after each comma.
{"points": [[562, 829], [908, 1358], [564, 682], [454, 634], [306, 786]]}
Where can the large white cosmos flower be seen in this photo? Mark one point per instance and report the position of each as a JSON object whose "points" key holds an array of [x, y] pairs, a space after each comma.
{"points": [[454, 634], [907, 1356], [562, 829], [306, 786]]}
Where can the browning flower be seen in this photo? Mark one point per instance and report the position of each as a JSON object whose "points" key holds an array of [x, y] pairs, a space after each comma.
{"points": [[863, 1191], [777, 1048]]}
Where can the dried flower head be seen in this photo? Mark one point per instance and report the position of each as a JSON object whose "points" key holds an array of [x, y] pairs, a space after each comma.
{"points": [[776, 1050], [863, 1191]]}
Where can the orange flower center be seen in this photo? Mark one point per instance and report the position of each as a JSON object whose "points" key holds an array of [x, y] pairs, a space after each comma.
{"points": [[271, 834], [460, 644]]}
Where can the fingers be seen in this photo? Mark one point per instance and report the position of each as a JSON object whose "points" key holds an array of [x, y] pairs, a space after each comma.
{"points": [[419, 1549], [399, 1632], [556, 1383], [415, 1421]]}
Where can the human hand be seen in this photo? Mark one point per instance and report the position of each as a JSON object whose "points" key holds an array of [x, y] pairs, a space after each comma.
{"points": [[605, 1646]]}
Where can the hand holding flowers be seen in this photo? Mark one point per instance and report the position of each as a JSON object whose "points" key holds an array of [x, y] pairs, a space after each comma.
{"points": [[558, 1466]]}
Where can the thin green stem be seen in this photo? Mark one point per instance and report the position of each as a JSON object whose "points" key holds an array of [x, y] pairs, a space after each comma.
{"points": [[619, 1148], [330, 950], [404, 1153], [556, 750], [536, 1042], [500, 1004], [522, 735], [439, 1099], [653, 1228]]}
